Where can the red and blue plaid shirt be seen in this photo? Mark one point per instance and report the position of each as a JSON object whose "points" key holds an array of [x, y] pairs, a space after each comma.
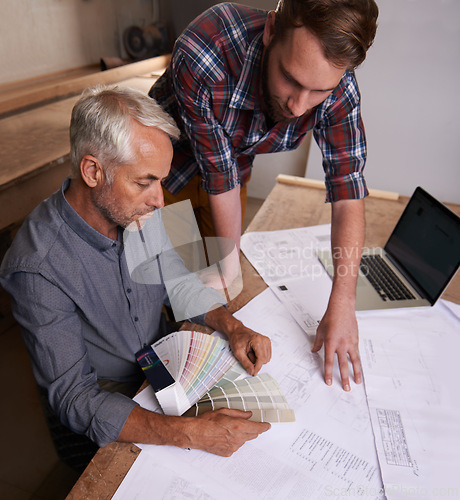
{"points": [[212, 89]]}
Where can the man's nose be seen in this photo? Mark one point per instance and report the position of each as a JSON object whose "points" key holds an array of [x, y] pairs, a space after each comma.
{"points": [[155, 198], [300, 102]]}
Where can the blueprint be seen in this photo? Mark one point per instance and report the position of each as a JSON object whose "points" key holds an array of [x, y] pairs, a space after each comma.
{"points": [[402, 425], [408, 359], [328, 452], [287, 262], [289, 253]]}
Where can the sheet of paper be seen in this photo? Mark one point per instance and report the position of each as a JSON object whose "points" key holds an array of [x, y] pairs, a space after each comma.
{"points": [[409, 358], [287, 262], [289, 253], [328, 452], [304, 299]]}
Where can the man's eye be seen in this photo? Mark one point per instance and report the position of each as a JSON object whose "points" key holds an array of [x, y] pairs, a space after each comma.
{"points": [[141, 185]]}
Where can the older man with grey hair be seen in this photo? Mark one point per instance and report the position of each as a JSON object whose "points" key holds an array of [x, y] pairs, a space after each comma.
{"points": [[82, 315]]}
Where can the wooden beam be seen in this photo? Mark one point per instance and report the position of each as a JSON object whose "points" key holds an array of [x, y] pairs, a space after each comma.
{"points": [[34, 158], [302, 181], [27, 95]]}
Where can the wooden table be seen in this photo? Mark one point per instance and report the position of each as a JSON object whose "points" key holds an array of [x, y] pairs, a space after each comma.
{"points": [[287, 206]]}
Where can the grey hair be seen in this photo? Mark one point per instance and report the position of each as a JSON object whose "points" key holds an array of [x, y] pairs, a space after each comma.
{"points": [[101, 125]]}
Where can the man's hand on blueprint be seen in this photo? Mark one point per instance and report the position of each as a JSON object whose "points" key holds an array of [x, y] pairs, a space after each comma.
{"points": [[250, 348], [338, 331], [224, 431], [221, 432]]}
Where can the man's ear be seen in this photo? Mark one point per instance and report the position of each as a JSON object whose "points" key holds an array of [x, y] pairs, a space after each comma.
{"points": [[91, 171], [269, 29]]}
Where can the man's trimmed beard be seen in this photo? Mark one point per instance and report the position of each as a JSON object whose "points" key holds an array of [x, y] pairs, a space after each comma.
{"points": [[103, 200], [272, 107]]}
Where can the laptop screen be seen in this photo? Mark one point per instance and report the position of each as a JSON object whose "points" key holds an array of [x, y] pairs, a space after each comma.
{"points": [[426, 244]]}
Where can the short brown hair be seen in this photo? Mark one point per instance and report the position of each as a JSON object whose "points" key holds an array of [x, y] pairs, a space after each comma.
{"points": [[345, 28]]}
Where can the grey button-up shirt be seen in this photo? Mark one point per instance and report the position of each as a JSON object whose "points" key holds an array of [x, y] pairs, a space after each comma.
{"points": [[81, 314]]}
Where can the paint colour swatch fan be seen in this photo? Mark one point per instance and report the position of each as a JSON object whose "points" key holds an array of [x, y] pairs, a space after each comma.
{"points": [[260, 394], [185, 366]]}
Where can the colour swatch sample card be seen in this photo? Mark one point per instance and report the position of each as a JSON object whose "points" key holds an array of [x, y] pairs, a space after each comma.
{"points": [[190, 368], [183, 366], [260, 394]]}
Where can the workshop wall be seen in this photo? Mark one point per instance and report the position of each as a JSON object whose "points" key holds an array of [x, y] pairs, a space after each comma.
{"points": [[410, 104], [40, 37]]}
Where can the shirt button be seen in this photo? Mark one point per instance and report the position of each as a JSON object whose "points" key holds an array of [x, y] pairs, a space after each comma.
{"points": [[129, 290], [136, 318]]}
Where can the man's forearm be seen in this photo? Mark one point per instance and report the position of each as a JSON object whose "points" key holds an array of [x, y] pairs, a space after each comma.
{"points": [[221, 432], [144, 426], [220, 319], [347, 239], [338, 329], [226, 214]]}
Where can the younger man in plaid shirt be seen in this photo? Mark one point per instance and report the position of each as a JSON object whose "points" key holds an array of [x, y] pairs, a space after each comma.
{"points": [[243, 82]]}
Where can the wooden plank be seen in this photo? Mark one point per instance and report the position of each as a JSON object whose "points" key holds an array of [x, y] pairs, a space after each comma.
{"points": [[105, 472], [15, 90], [29, 95], [313, 183], [34, 158], [34, 138], [291, 206]]}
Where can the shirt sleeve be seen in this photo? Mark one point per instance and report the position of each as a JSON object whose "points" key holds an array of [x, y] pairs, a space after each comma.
{"points": [[341, 137], [209, 142], [51, 328]]}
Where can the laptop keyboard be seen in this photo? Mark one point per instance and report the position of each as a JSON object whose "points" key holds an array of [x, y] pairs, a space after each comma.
{"points": [[383, 279]]}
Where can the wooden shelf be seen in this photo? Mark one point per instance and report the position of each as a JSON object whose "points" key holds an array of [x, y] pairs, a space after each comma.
{"points": [[34, 158], [32, 92]]}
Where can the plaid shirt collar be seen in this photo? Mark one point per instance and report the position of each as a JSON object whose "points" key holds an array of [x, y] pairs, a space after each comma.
{"points": [[247, 94]]}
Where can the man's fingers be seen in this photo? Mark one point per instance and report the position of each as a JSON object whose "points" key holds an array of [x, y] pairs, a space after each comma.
{"points": [[258, 365], [328, 365], [226, 430], [237, 416], [261, 352], [239, 422], [262, 348], [356, 362], [246, 363], [342, 358], [253, 353], [230, 412], [343, 368], [318, 343]]}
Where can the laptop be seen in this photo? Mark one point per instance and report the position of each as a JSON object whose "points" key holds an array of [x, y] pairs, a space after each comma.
{"points": [[416, 264]]}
